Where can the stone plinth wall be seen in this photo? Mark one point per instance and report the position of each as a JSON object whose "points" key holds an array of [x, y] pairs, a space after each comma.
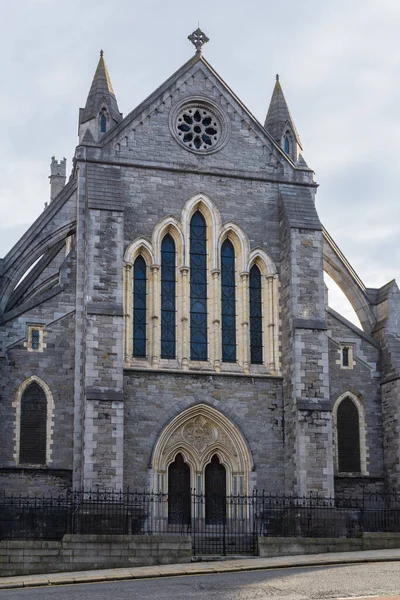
{"points": [[81, 552], [279, 546]]}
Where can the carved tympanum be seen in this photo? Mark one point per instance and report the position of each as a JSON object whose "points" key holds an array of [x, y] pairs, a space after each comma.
{"points": [[199, 433]]}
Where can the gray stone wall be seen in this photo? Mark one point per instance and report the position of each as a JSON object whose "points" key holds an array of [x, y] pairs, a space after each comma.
{"points": [[254, 405], [362, 380], [85, 552]]}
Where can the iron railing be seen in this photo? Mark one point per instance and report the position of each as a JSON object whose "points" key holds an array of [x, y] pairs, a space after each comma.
{"points": [[227, 525]]}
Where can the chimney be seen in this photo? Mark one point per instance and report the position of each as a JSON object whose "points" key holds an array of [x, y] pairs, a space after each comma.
{"points": [[58, 175]]}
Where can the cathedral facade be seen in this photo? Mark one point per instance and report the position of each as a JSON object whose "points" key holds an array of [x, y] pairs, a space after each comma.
{"points": [[164, 322]]}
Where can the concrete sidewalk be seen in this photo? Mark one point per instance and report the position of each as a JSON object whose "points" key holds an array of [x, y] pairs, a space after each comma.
{"points": [[200, 568]]}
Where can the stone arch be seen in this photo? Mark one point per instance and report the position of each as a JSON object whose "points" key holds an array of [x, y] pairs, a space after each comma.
{"points": [[50, 416], [240, 241], [357, 400], [212, 217], [264, 262], [339, 269], [139, 246], [198, 433], [172, 226]]}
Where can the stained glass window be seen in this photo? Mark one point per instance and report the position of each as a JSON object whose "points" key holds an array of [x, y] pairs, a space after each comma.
{"points": [[345, 357], [286, 145], [35, 339], [33, 426], [139, 307], [228, 302], [103, 123], [256, 341], [168, 295], [198, 287], [348, 437]]}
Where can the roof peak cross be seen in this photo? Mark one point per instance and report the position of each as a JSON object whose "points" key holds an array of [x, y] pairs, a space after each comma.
{"points": [[198, 39]]}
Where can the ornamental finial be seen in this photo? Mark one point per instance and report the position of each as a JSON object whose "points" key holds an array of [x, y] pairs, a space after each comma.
{"points": [[277, 77], [198, 39], [101, 53]]}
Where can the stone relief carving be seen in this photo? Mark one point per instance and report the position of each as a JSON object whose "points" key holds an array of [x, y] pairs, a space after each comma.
{"points": [[199, 433]]}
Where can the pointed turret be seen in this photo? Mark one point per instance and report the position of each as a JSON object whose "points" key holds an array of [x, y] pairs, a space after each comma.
{"points": [[280, 124], [101, 111]]}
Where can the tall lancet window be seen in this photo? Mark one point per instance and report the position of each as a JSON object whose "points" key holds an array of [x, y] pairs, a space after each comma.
{"points": [[198, 287], [256, 341], [348, 437], [103, 123], [139, 307], [33, 432], [228, 302], [168, 295], [286, 144]]}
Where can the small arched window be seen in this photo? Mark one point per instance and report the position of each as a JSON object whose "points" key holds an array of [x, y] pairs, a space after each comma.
{"points": [[33, 426], [198, 287], [286, 144], [256, 335], [348, 437], [103, 123], [139, 307], [168, 297], [228, 302]]}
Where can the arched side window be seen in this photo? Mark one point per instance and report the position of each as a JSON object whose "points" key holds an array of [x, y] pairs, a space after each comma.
{"points": [[139, 307], [168, 298], [228, 302], [103, 123], [33, 426], [286, 144], [348, 437], [198, 287], [256, 321]]}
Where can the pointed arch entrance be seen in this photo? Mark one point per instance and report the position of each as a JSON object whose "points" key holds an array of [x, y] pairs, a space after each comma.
{"points": [[179, 492], [199, 434]]}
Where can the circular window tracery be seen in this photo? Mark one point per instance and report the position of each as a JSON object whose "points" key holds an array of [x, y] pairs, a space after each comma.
{"points": [[199, 126]]}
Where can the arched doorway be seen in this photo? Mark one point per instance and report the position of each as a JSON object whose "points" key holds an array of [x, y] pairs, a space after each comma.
{"points": [[179, 492], [215, 492]]}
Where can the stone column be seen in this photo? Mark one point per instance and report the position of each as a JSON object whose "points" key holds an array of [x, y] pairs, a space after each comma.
{"points": [[245, 321], [155, 314], [270, 331], [215, 312], [185, 317]]}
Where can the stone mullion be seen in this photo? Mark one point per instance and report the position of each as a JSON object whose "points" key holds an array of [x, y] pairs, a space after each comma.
{"points": [[270, 329], [215, 310], [128, 321], [155, 291], [185, 335], [244, 318]]}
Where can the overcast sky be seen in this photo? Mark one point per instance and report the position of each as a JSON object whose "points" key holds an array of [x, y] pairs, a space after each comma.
{"points": [[339, 66]]}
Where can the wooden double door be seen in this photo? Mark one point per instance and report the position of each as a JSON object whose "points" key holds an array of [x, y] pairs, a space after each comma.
{"points": [[183, 505]]}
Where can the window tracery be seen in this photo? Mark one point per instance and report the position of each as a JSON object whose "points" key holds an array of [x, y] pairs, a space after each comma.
{"points": [[256, 326], [211, 301], [139, 307], [168, 297], [228, 302], [198, 287]]}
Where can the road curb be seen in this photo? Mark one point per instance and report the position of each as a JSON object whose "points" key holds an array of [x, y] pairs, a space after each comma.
{"points": [[54, 579]]}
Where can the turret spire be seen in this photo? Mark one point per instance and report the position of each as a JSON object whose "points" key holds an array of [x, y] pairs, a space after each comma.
{"points": [[101, 104], [280, 124]]}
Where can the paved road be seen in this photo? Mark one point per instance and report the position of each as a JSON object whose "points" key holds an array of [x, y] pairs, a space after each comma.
{"points": [[319, 583]]}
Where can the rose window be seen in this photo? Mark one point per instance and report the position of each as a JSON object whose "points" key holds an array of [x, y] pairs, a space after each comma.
{"points": [[198, 128]]}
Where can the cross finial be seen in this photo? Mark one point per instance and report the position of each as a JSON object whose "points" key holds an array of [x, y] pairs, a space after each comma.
{"points": [[198, 39], [101, 53], [277, 77]]}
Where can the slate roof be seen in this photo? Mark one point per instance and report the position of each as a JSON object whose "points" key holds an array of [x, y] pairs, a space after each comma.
{"points": [[300, 208]]}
